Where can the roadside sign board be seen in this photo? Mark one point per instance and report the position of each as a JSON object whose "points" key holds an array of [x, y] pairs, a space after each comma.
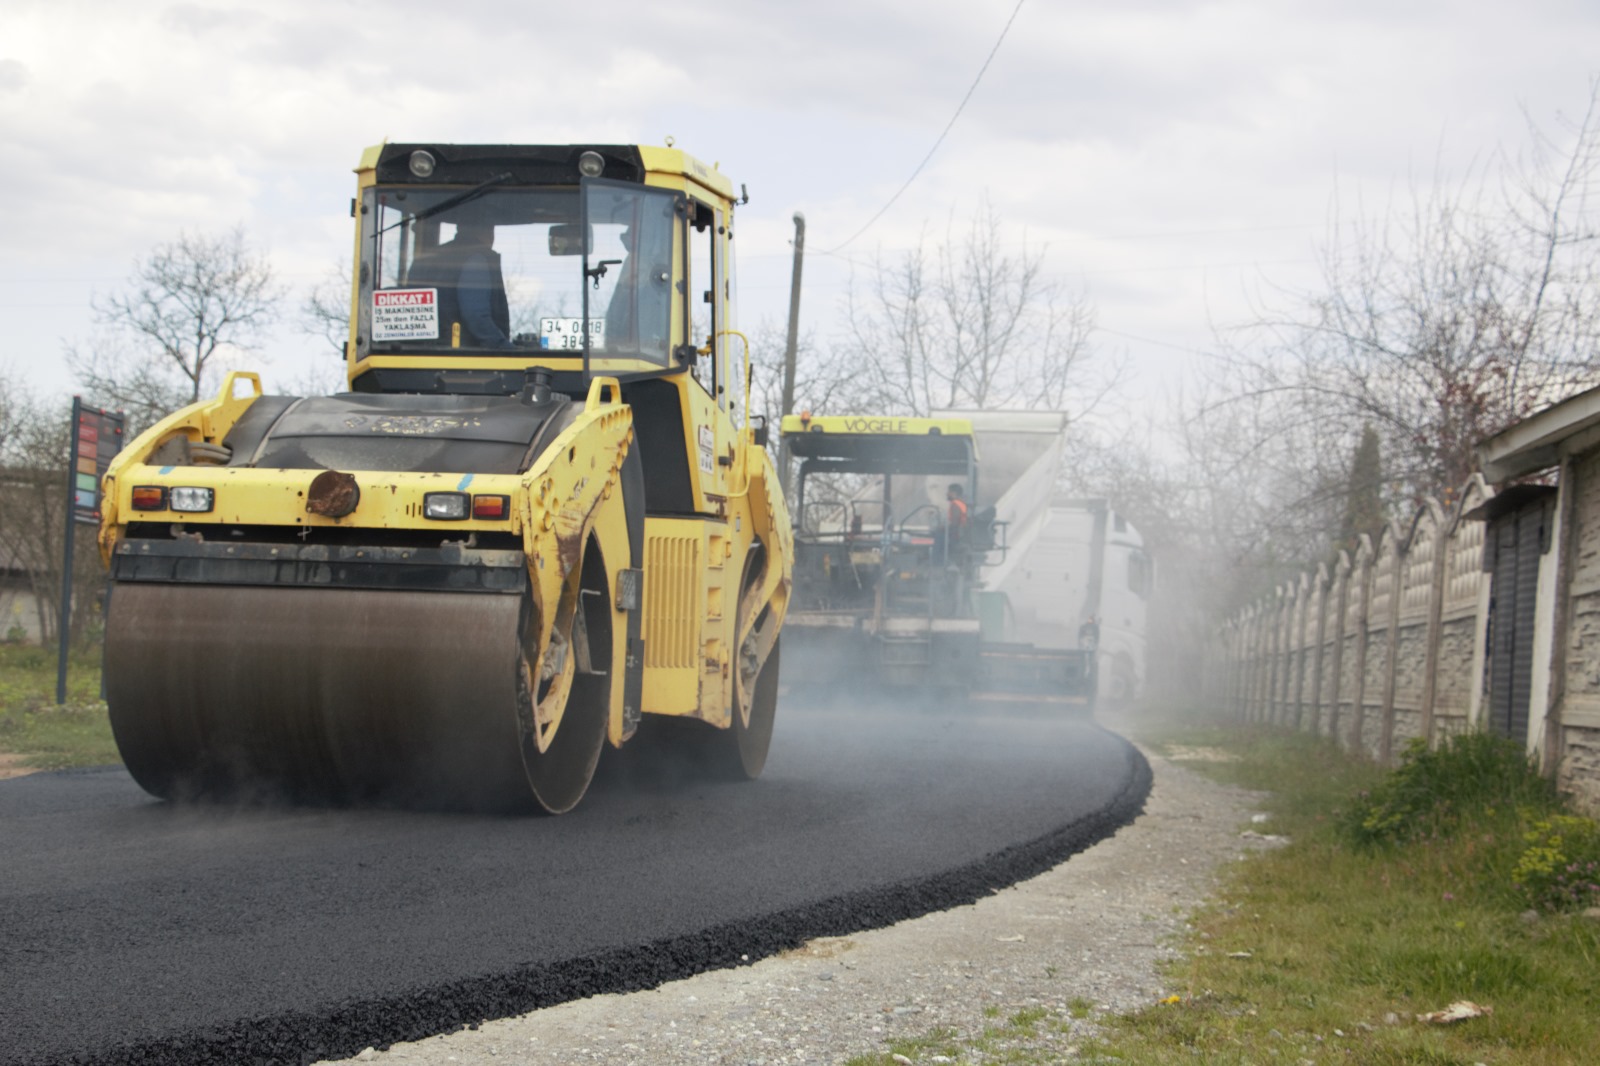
{"points": [[96, 439]]}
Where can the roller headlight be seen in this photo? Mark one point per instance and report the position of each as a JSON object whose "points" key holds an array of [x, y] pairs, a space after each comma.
{"points": [[446, 506], [191, 499]]}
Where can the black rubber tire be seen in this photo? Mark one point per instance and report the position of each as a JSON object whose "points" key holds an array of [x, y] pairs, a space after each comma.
{"points": [[747, 746], [560, 775], [739, 752]]}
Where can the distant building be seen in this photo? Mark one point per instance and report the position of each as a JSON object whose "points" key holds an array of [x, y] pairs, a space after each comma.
{"points": [[19, 611]]}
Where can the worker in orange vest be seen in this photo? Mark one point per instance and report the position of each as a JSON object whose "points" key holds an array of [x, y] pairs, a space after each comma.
{"points": [[956, 519]]}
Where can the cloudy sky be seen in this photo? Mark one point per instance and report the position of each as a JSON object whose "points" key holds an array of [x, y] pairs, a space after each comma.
{"points": [[1171, 156]]}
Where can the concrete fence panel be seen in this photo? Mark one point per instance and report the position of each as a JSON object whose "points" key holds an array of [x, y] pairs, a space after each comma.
{"points": [[1257, 673], [1416, 625], [1333, 617], [1377, 704], [1463, 618], [1280, 633], [1577, 749], [1294, 618], [1315, 643], [1352, 686]]}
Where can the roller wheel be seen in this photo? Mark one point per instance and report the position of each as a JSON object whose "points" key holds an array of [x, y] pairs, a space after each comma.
{"points": [[751, 736], [741, 750], [564, 697]]}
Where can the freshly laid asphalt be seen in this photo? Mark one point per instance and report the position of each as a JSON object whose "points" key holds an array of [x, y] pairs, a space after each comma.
{"points": [[136, 931]]}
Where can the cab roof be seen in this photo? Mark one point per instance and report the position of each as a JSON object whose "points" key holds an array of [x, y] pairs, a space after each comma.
{"points": [[881, 444], [536, 164]]}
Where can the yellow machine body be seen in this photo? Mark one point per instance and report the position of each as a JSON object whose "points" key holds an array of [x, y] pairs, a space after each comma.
{"points": [[519, 531]]}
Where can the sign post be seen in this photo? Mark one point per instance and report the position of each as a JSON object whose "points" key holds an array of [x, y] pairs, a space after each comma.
{"points": [[96, 439]]}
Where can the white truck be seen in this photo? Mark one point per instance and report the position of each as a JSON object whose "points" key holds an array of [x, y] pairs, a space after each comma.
{"points": [[1074, 573]]}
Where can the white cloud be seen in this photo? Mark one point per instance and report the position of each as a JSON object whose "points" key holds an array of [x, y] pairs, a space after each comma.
{"points": [[1168, 152]]}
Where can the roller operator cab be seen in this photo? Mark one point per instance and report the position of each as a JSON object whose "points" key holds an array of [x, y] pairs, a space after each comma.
{"points": [[539, 513]]}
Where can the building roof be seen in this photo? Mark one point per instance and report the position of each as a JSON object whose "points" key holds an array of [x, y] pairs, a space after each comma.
{"points": [[1542, 440]]}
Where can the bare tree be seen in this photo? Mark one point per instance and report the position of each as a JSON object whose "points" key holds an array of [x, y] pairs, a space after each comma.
{"points": [[1449, 318], [827, 380], [191, 302], [1230, 502], [968, 323], [325, 311], [35, 441], [1463, 307]]}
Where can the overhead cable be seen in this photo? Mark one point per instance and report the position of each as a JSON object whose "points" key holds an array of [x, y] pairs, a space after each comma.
{"points": [[943, 133]]}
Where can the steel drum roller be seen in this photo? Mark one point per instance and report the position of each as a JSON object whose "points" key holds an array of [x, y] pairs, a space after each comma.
{"points": [[329, 694]]}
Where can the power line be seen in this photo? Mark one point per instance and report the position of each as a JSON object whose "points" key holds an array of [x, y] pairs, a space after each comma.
{"points": [[943, 133], [1152, 340]]}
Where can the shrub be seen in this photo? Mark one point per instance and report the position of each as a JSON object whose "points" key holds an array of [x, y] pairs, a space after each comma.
{"points": [[1433, 790], [1560, 870]]}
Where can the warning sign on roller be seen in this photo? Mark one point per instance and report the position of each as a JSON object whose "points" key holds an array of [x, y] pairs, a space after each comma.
{"points": [[405, 314]]}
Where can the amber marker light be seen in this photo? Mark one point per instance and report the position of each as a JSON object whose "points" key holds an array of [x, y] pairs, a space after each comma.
{"points": [[149, 498], [491, 508]]}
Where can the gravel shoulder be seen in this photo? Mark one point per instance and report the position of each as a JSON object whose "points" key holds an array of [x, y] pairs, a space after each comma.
{"points": [[1091, 930]]}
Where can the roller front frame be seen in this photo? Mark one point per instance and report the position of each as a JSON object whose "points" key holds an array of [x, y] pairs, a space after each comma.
{"points": [[569, 503], [573, 501]]}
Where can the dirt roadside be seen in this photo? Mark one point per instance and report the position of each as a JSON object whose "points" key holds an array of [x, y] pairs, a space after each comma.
{"points": [[1090, 932], [12, 766]]}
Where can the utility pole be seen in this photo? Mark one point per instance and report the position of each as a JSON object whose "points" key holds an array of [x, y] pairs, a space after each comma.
{"points": [[791, 345]]}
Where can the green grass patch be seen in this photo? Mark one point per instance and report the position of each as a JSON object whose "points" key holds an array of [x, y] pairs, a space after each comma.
{"points": [[1438, 791], [33, 728], [1399, 895], [1456, 876]]}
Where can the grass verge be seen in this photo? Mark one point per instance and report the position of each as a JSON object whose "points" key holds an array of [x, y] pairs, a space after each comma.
{"points": [[1399, 894], [41, 735]]}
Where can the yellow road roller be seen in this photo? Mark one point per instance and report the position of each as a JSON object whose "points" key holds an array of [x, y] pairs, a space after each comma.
{"points": [[540, 512]]}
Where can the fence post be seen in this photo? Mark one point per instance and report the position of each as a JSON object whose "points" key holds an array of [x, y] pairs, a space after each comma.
{"points": [[1361, 582], [1392, 557], [1319, 596], [1435, 630], [1336, 608]]}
